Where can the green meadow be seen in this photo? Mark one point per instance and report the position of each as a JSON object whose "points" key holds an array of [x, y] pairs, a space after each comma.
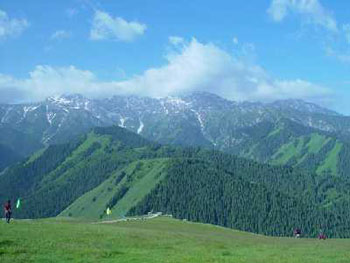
{"points": [[159, 240]]}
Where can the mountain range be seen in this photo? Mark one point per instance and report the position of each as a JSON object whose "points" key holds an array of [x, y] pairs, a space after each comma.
{"points": [[111, 167], [289, 132], [264, 168]]}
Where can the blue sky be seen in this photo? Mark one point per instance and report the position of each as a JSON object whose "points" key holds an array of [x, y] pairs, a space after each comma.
{"points": [[242, 50]]}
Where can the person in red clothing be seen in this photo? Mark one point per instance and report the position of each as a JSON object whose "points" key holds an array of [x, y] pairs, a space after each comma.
{"points": [[322, 236], [8, 211]]}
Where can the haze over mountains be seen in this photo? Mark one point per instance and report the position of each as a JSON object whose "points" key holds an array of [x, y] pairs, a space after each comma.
{"points": [[284, 132], [291, 132], [76, 161]]}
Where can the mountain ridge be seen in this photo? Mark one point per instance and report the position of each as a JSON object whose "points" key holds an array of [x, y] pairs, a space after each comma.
{"points": [[197, 119], [116, 168]]}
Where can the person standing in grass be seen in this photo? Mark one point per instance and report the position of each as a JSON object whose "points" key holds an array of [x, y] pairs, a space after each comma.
{"points": [[322, 236], [297, 232], [8, 211]]}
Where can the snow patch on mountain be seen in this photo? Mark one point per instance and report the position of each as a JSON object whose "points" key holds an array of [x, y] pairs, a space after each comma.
{"points": [[27, 109], [60, 100], [122, 122], [4, 118], [176, 101], [164, 108], [86, 105], [139, 130], [199, 118], [50, 116]]}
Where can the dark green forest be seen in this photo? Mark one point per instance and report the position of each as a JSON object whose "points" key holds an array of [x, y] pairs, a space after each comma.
{"points": [[200, 185], [200, 191]]}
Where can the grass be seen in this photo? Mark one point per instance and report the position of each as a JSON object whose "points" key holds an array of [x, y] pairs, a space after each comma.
{"points": [[76, 159], [288, 151], [296, 148], [331, 161], [158, 240], [36, 155], [274, 132], [316, 142], [90, 140], [143, 179]]}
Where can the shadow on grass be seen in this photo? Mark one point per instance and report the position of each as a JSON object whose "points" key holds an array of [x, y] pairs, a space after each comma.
{"points": [[9, 247], [226, 254], [6, 243], [111, 254]]}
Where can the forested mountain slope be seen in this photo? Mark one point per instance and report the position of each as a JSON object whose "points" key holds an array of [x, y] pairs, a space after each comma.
{"points": [[290, 132], [289, 143], [112, 167], [7, 157]]}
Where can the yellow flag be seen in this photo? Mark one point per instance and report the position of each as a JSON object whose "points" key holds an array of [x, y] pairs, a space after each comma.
{"points": [[109, 211]]}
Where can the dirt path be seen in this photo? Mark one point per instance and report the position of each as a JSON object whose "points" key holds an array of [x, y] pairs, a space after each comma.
{"points": [[145, 217]]}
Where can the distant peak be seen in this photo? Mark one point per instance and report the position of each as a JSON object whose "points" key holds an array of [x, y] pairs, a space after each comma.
{"points": [[205, 96], [202, 94], [304, 106], [70, 101], [66, 98]]}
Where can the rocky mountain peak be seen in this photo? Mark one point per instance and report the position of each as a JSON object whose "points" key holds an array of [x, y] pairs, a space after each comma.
{"points": [[302, 106]]}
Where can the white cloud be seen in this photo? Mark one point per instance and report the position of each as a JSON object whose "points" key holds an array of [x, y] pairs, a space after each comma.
{"points": [[46, 81], [342, 57], [206, 67], [346, 29], [311, 10], [11, 27], [105, 26], [193, 67], [235, 40], [60, 34], [175, 40]]}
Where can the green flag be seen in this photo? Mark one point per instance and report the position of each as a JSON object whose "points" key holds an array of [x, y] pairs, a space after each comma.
{"points": [[18, 204]]}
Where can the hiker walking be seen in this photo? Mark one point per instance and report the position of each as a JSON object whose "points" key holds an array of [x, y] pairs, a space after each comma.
{"points": [[8, 211]]}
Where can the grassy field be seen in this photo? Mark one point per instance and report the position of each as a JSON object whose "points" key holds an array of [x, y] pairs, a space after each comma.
{"points": [[288, 151], [331, 161], [142, 180], [157, 240]]}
